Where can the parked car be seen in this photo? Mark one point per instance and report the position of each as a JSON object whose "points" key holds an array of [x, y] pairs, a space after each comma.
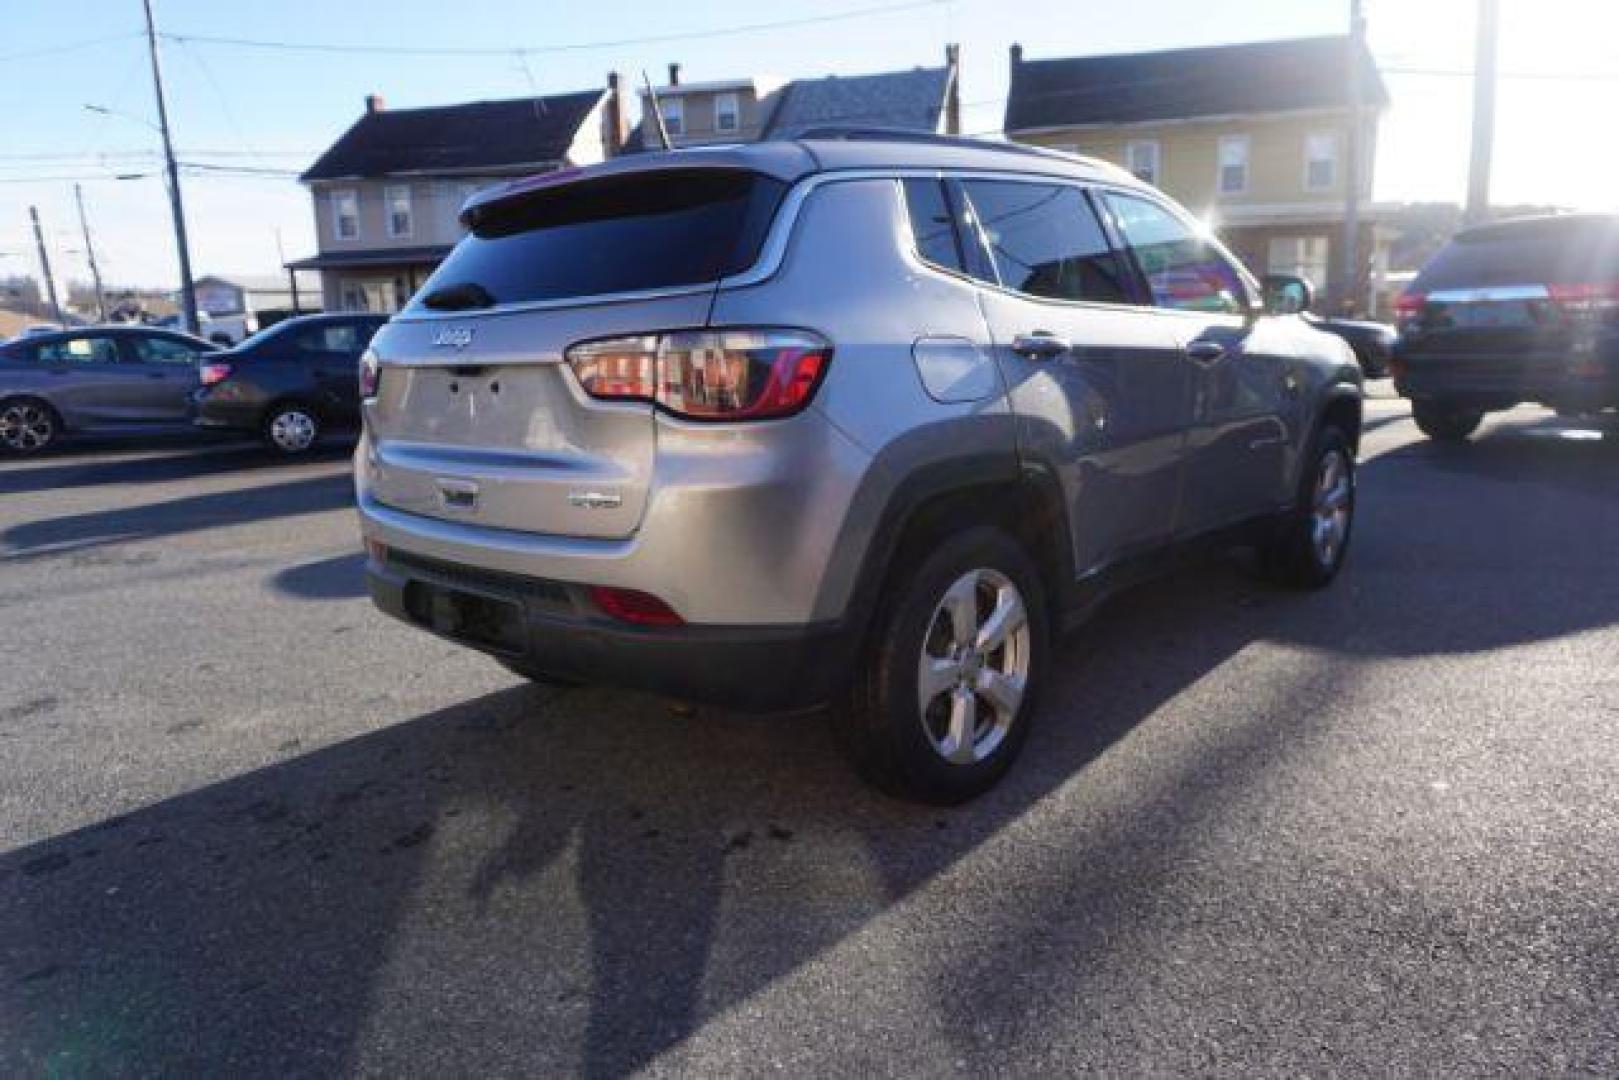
{"points": [[1371, 342], [289, 384], [857, 419], [100, 380], [1517, 311]]}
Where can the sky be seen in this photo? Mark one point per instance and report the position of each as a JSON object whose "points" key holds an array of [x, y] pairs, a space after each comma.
{"points": [[275, 110]]}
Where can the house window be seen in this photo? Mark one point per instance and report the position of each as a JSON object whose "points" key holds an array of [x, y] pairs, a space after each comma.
{"points": [[397, 200], [1301, 256], [727, 112], [346, 214], [674, 115], [1141, 158], [1320, 162], [1233, 164]]}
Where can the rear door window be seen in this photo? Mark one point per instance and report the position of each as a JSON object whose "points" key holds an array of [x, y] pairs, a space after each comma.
{"points": [[613, 234], [162, 350], [1185, 270], [1044, 240]]}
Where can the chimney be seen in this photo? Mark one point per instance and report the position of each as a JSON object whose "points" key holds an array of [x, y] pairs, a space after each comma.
{"points": [[674, 74], [1017, 54], [614, 129], [952, 94], [374, 103]]}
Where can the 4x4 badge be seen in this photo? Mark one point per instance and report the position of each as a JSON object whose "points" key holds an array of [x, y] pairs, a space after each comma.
{"points": [[455, 337]]}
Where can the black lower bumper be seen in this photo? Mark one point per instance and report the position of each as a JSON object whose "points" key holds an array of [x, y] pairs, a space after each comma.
{"points": [[546, 628]]}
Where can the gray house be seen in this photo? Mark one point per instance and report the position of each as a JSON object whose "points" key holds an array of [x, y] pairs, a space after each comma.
{"points": [[387, 193], [757, 107]]}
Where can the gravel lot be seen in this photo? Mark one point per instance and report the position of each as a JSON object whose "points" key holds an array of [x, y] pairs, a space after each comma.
{"points": [[251, 827]]}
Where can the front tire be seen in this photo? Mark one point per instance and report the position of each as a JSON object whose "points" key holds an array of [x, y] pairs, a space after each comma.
{"points": [[291, 429], [27, 426], [944, 695], [1312, 542], [1445, 422]]}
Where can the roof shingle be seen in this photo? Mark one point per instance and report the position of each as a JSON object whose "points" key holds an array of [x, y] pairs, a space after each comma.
{"points": [[1182, 84], [474, 136], [911, 100]]}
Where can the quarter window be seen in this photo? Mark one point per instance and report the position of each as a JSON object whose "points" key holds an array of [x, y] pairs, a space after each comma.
{"points": [[1185, 270], [1320, 162], [346, 214], [932, 225], [397, 199], [1141, 158], [1045, 240], [1233, 164], [727, 115]]}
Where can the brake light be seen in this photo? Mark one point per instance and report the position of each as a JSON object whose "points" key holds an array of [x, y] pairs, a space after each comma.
{"points": [[1408, 307], [370, 374], [751, 374], [213, 373], [634, 606], [1585, 296]]}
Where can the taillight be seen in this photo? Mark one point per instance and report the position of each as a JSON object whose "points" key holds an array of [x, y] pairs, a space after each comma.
{"points": [[751, 374], [370, 374], [634, 606], [1408, 308], [1585, 296], [212, 373]]}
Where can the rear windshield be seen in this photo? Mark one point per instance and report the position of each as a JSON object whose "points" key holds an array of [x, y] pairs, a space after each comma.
{"points": [[616, 234], [1570, 250]]}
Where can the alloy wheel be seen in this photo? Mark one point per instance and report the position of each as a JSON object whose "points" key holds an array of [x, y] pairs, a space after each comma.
{"points": [[974, 667], [25, 427], [1333, 503]]}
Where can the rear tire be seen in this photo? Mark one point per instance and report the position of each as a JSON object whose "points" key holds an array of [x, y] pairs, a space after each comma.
{"points": [[290, 429], [27, 426], [1312, 541], [1445, 422], [944, 695]]}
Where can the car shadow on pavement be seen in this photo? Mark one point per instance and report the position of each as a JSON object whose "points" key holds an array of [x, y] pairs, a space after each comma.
{"points": [[547, 882], [172, 517], [94, 465], [341, 577]]}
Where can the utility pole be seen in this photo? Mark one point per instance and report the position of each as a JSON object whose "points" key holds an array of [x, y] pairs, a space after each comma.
{"points": [[1478, 173], [90, 253], [188, 293], [1349, 292], [45, 266]]}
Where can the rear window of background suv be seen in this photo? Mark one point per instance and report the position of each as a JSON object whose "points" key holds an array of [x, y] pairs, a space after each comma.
{"points": [[1566, 251], [651, 230]]}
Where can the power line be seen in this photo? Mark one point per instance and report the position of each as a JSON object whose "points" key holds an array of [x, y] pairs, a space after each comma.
{"points": [[537, 50], [71, 46]]}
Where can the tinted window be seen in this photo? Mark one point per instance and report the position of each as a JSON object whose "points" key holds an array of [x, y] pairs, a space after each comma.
{"points": [[1185, 271], [614, 234], [931, 223], [1045, 240], [1570, 250], [333, 337], [162, 350], [79, 350]]}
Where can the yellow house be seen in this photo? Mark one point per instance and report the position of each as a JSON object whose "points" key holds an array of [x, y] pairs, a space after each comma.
{"points": [[1252, 138]]}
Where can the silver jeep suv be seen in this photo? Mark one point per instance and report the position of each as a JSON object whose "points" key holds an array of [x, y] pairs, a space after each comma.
{"points": [[854, 420]]}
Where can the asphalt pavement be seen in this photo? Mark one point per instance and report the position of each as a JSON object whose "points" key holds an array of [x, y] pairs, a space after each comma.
{"points": [[248, 826]]}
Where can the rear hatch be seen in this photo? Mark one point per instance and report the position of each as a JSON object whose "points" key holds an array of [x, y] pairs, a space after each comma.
{"points": [[1514, 294], [478, 417]]}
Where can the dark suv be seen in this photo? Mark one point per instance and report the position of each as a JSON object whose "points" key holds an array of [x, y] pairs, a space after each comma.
{"points": [[1517, 311], [290, 383]]}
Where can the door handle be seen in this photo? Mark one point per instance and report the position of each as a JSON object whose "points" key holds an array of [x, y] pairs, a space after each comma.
{"points": [[1040, 345], [1206, 352]]}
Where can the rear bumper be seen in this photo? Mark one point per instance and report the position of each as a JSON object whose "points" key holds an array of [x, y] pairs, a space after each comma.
{"points": [[551, 628], [1496, 383]]}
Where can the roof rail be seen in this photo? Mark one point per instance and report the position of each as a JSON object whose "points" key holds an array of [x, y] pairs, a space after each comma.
{"points": [[884, 134]]}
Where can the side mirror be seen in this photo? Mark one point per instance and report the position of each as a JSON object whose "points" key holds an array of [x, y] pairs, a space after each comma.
{"points": [[1286, 294]]}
